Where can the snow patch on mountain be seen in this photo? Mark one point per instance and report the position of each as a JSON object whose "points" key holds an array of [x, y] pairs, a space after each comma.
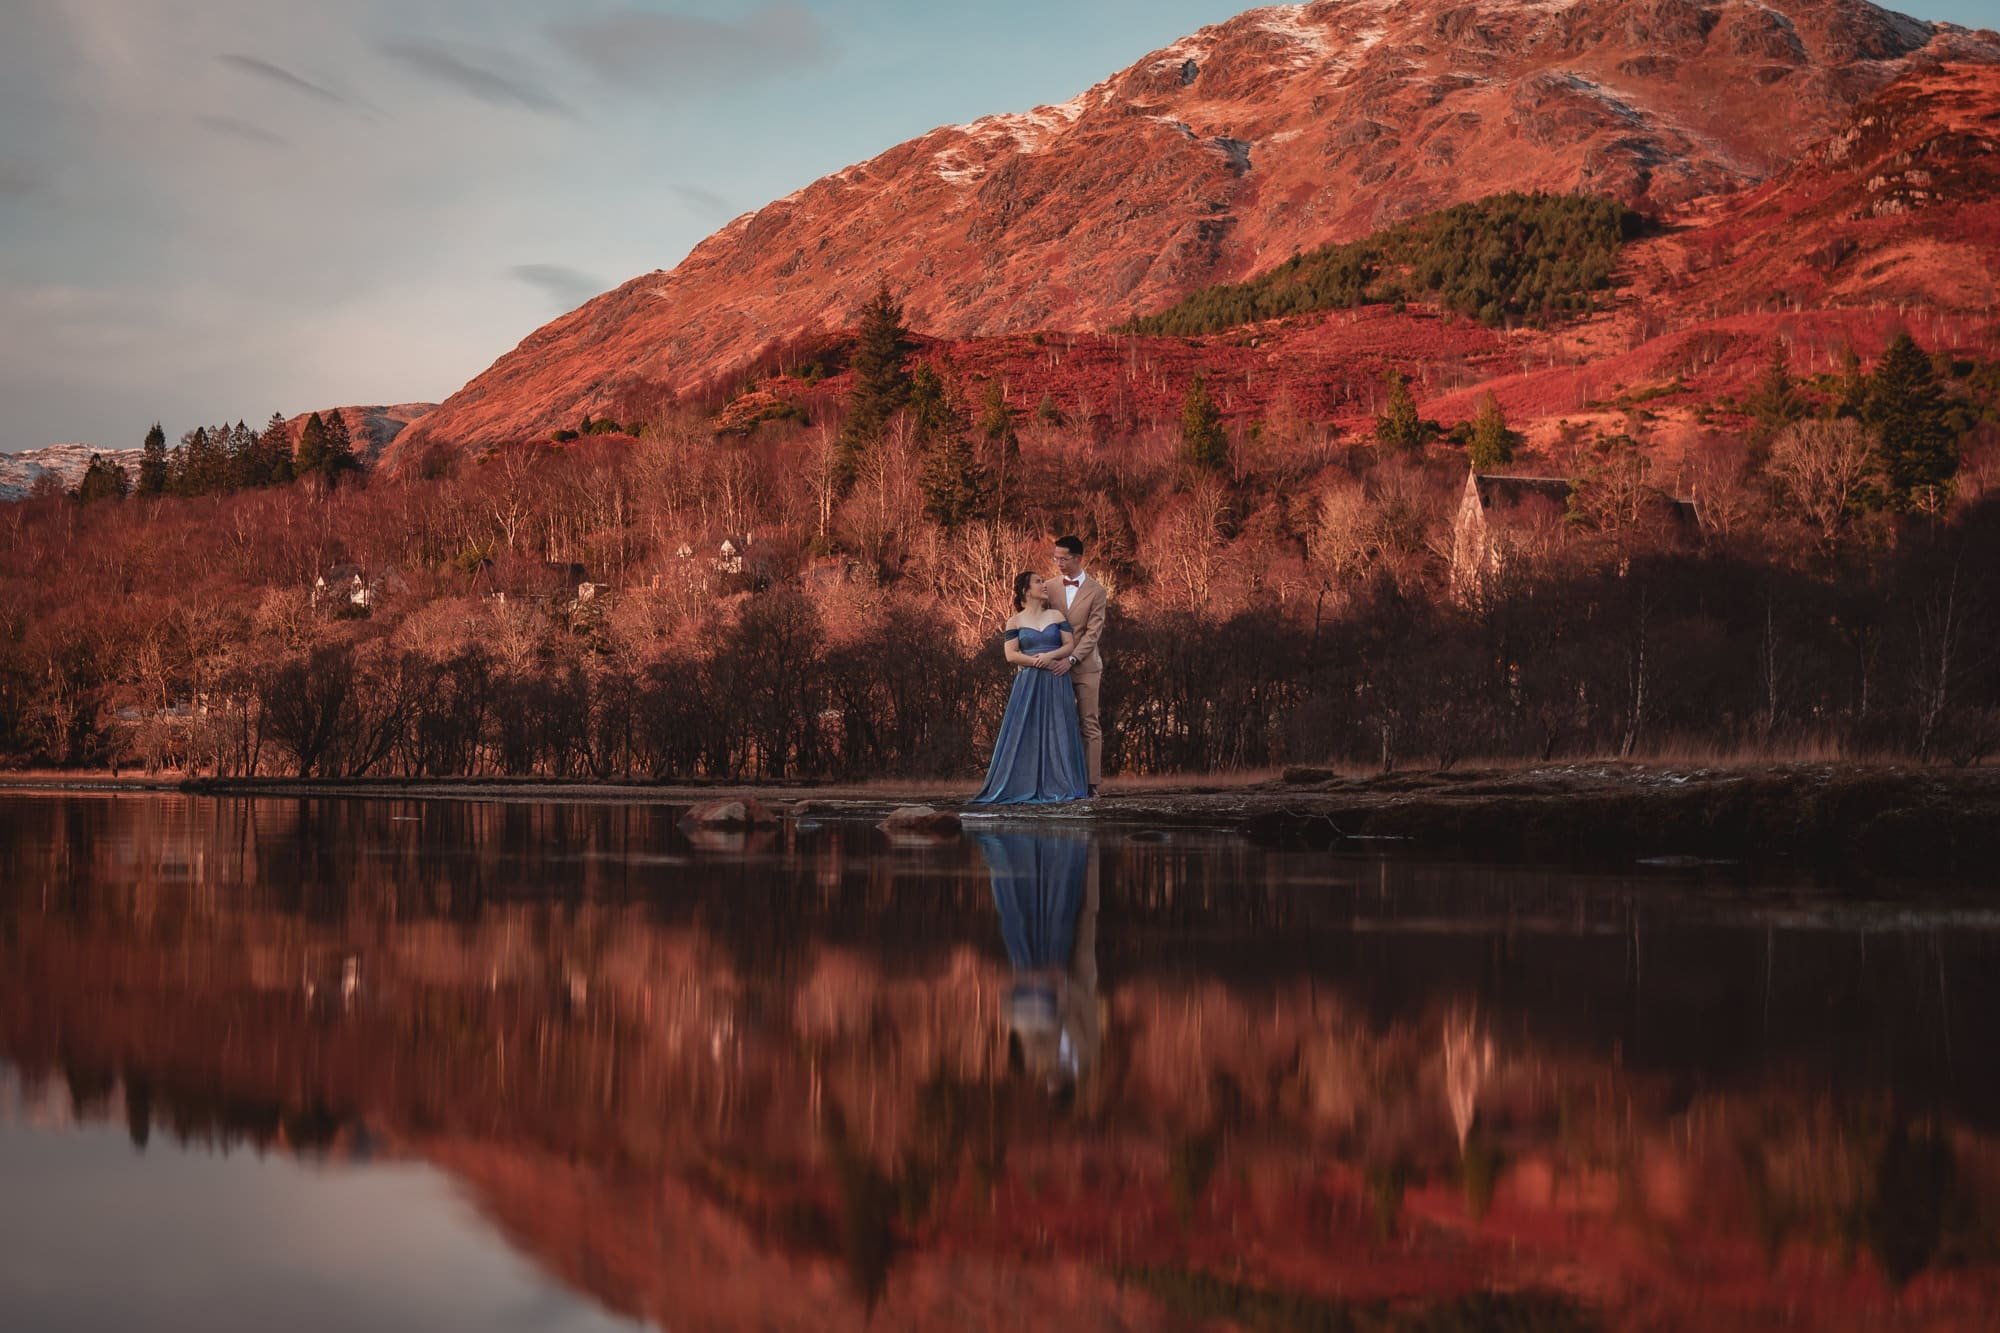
{"points": [[64, 462], [1031, 131], [1291, 22], [954, 168]]}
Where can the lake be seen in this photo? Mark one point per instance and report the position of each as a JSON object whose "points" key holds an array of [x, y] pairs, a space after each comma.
{"points": [[483, 1064]]}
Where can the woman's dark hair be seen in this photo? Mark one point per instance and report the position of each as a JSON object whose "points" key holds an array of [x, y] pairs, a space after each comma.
{"points": [[1021, 582]]}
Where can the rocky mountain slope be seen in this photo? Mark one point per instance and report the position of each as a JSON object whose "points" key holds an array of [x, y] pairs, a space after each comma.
{"points": [[1216, 157], [1892, 221]]}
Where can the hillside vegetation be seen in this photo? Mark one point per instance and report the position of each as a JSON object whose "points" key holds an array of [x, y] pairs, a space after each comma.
{"points": [[823, 600], [1506, 259]]}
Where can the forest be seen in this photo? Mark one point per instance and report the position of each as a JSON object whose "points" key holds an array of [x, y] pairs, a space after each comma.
{"points": [[1506, 259], [819, 597]]}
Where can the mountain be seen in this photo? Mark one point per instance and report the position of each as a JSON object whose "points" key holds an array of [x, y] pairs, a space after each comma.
{"points": [[65, 462], [372, 428], [1215, 158], [1900, 207]]}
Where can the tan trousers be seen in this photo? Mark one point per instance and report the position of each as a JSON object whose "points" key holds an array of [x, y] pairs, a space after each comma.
{"points": [[1086, 716]]}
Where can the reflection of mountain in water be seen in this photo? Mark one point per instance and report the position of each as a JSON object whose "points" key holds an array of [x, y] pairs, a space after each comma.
{"points": [[702, 1087]]}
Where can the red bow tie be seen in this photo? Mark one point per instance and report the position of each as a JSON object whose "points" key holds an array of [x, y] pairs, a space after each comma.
{"points": [[1072, 583]]}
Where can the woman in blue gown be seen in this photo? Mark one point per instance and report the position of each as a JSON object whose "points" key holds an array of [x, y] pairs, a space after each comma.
{"points": [[1038, 757]]}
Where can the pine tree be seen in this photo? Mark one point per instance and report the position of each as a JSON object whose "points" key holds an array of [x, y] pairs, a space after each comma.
{"points": [[201, 465], [153, 462], [215, 473], [1850, 385], [881, 384], [954, 482], [956, 485], [931, 414], [1001, 446], [102, 480], [1775, 403], [339, 447], [274, 452], [1903, 402], [245, 467], [1204, 444], [177, 483], [1399, 425], [1492, 444], [325, 449], [310, 460]]}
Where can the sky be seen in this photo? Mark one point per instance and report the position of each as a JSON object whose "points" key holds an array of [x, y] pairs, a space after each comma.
{"points": [[213, 209]]}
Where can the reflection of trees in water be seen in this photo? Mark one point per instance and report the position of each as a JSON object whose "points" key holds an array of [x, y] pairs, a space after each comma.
{"points": [[868, 1210], [1206, 1298], [1468, 1060], [1914, 1189], [1849, 1176], [193, 1115], [671, 1016], [1575, 961]]}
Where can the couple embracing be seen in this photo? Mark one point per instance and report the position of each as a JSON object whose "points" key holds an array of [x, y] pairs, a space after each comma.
{"points": [[1051, 747]]}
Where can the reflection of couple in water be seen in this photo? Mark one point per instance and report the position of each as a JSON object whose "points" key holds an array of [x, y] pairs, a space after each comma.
{"points": [[1045, 890]]}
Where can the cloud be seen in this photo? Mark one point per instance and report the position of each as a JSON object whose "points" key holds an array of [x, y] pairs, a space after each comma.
{"points": [[487, 85], [238, 129], [702, 201], [568, 287], [642, 48], [281, 76]]}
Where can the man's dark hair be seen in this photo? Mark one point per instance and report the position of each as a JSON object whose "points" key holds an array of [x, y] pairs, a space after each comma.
{"points": [[1074, 545]]}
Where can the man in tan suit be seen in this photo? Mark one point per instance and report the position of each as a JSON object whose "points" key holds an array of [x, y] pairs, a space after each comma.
{"points": [[1084, 601]]}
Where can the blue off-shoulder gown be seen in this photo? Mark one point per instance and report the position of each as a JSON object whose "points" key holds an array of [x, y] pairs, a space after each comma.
{"points": [[1038, 757]]}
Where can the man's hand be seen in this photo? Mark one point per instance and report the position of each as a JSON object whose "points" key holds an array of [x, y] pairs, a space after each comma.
{"points": [[1061, 667]]}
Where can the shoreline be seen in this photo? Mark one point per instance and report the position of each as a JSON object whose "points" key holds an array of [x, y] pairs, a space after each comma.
{"points": [[1820, 820]]}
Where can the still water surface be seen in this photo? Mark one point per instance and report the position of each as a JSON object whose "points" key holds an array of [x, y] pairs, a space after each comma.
{"points": [[329, 1064]]}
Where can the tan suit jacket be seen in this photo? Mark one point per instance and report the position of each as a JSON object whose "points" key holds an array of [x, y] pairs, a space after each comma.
{"points": [[1086, 618]]}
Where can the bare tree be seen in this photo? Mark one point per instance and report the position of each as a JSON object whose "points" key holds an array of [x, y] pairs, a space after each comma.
{"points": [[1939, 625], [1637, 675], [1823, 469], [823, 472], [886, 500], [970, 571], [1770, 672], [1344, 533], [516, 483], [1184, 549]]}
